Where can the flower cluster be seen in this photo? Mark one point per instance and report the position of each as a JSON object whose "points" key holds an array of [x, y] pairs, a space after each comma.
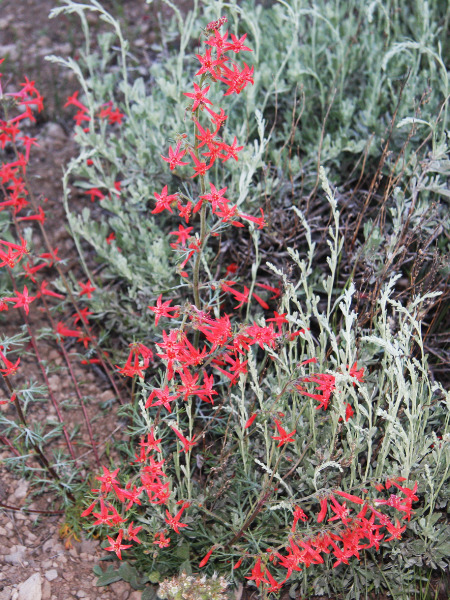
{"points": [[82, 115], [343, 539]]}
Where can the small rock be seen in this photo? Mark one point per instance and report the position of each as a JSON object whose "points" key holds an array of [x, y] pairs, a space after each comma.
{"points": [[6, 593], [106, 396], [21, 489], [53, 354], [56, 132], [31, 588], [89, 546], [46, 590], [51, 575], [64, 48], [16, 555], [81, 594], [9, 50], [54, 383], [6, 21], [119, 588], [44, 41], [135, 595]]}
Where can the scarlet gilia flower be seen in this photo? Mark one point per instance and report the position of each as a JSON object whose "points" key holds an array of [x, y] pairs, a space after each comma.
{"points": [[94, 193], [21, 300], [113, 115], [10, 368], [164, 398], [108, 479], [183, 235], [133, 365], [44, 291], [175, 157], [117, 546], [86, 289], [209, 64], [257, 574], [218, 42], [237, 45], [200, 167], [187, 444], [64, 331], [283, 436], [299, 515], [395, 531], [163, 309], [349, 412], [39, 217], [323, 510], [357, 374], [161, 540], [206, 558], [199, 96], [250, 420], [164, 201], [132, 533], [174, 522]]}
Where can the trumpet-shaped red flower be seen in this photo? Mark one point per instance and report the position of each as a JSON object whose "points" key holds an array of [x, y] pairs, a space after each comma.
{"points": [[283, 436], [164, 398], [187, 444], [174, 522], [175, 157], [199, 96], [161, 540], [21, 300], [86, 289], [11, 368], [162, 309], [164, 201], [237, 45], [257, 574], [108, 479], [209, 63], [117, 546], [200, 167]]}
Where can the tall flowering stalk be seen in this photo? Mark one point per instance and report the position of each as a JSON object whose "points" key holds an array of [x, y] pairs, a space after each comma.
{"points": [[205, 358]]}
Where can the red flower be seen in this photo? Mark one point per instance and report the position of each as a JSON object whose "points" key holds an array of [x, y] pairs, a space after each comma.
{"points": [[162, 309], [284, 437], [174, 522], [117, 546], [163, 201], [250, 421], [257, 575], [187, 444], [21, 300], [87, 288], [207, 557], [199, 96], [175, 157]]}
